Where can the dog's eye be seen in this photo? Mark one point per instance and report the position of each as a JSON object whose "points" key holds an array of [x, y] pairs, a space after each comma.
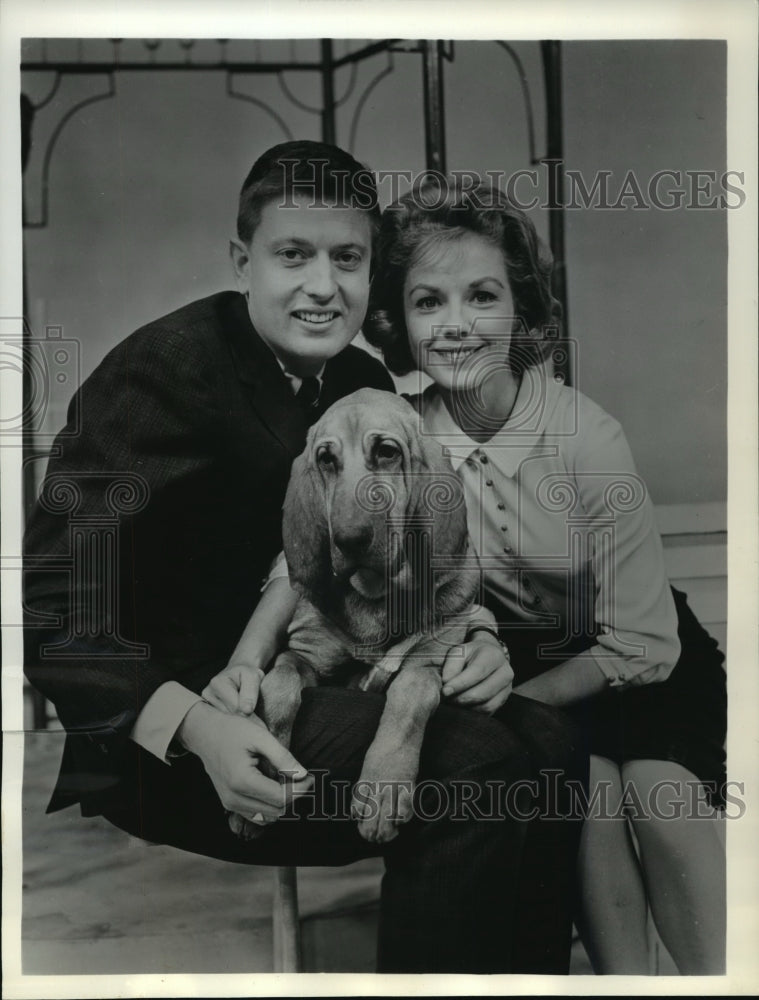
{"points": [[386, 451], [324, 458]]}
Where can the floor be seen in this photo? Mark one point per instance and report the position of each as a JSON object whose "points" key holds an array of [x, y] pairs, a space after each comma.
{"points": [[98, 901]]}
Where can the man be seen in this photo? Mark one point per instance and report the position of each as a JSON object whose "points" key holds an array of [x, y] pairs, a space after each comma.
{"points": [[200, 415]]}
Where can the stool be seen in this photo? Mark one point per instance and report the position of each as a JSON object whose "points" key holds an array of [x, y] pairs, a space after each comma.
{"points": [[285, 920]]}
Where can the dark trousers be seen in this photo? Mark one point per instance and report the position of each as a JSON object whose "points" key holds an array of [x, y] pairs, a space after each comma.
{"points": [[546, 894], [455, 896]]}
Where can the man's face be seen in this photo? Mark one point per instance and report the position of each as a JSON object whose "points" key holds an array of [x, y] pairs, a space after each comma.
{"points": [[306, 274]]}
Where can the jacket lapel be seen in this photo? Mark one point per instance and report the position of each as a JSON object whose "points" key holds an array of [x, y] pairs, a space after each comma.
{"points": [[269, 391]]}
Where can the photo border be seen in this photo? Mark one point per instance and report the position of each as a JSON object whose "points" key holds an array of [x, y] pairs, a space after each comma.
{"points": [[733, 20]]}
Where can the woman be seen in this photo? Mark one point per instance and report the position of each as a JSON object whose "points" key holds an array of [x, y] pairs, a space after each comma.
{"points": [[572, 564]]}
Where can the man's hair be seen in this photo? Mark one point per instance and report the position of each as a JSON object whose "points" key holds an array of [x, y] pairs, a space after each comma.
{"points": [[325, 174], [436, 213]]}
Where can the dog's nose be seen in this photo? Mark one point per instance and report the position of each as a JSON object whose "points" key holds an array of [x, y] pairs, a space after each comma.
{"points": [[353, 539]]}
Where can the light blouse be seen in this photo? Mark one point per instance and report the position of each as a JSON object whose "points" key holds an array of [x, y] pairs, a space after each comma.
{"points": [[564, 528]]}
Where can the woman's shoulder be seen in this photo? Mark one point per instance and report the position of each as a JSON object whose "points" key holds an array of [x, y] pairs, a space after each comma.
{"points": [[576, 414], [587, 435]]}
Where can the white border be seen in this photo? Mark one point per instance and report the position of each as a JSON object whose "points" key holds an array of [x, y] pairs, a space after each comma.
{"points": [[734, 20]]}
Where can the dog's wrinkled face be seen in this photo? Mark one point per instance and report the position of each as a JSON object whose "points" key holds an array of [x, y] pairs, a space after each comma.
{"points": [[359, 500], [363, 457]]}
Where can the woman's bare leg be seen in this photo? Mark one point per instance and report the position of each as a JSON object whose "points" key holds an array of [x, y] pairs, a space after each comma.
{"points": [[612, 917], [683, 859]]}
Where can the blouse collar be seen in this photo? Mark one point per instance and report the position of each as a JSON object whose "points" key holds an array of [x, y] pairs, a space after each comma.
{"points": [[535, 402]]}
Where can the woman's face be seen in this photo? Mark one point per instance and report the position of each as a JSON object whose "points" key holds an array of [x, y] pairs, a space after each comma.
{"points": [[459, 312]]}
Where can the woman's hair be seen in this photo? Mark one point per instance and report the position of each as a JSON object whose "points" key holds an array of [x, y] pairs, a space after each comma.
{"points": [[442, 210]]}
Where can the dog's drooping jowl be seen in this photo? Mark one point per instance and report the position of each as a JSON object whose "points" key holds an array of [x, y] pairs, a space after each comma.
{"points": [[376, 541]]}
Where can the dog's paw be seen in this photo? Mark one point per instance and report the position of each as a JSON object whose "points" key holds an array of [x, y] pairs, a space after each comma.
{"points": [[244, 828], [381, 807]]}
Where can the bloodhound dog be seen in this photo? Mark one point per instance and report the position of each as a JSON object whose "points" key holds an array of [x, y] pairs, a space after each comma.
{"points": [[376, 540]]}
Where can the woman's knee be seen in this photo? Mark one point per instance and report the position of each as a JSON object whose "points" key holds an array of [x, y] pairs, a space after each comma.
{"points": [[668, 805]]}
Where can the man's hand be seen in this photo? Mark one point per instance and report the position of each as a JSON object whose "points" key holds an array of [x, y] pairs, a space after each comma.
{"points": [[235, 689], [481, 677], [230, 747]]}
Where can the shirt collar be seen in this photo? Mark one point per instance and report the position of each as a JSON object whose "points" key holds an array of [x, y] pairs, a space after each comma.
{"points": [[295, 380], [535, 402]]}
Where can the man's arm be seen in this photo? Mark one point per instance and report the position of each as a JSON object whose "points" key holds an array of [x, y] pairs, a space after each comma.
{"points": [[146, 414], [231, 748], [162, 715]]}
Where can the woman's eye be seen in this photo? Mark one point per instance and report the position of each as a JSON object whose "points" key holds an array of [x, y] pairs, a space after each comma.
{"points": [[482, 297], [426, 303]]}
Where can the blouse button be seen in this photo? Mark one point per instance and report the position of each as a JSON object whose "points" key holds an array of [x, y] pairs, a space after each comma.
{"points": [[484, 459], [507, 549], [488, 482], [502, 506], [504, 527]]}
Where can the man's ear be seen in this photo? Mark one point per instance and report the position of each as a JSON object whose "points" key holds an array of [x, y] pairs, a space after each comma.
{"points": [[240, 257]]}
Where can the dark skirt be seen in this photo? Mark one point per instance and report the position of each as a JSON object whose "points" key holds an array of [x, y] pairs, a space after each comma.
{"points": [[682, 719]]}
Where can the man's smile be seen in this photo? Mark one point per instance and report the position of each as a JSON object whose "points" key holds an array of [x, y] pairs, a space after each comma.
{"points": [[317, 317]]}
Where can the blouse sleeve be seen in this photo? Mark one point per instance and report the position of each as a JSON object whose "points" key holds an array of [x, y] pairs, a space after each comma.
{"points": [[635, 613], [279, 570]]}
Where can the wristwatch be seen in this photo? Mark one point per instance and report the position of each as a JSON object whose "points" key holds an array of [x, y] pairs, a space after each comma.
{"points": [[491, 630]]}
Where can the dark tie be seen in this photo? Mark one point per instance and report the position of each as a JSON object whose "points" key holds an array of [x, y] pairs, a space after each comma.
{"points": [[308, 394]]}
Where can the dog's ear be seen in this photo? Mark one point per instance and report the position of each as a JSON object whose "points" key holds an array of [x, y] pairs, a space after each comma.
{"points": [[305, 533], [436, 493]]}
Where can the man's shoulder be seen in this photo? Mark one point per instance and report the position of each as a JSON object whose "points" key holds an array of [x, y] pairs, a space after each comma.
{"points": [[186, 336], [195, 320]]}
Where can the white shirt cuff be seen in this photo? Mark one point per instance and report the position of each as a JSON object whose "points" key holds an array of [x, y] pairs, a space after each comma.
{"points": [[161, 717]]}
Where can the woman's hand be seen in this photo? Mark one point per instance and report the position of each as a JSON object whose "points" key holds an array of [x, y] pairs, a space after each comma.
{"points": [[481, 678], [235, 689]]}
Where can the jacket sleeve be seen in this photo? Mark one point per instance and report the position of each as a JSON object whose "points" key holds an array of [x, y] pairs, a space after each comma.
{"points": [[146, 423]]}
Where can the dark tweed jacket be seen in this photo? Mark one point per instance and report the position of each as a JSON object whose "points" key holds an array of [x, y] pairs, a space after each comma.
{"points": [[195, 409]]}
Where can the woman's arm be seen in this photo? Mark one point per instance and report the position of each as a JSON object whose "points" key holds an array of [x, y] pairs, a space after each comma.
{"points": [[266, 632], [235, 689], [636, 623], [634, 611], [571, 681]]}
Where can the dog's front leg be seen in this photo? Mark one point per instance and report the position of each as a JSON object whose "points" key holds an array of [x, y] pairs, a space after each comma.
{"points": [[383, 796], [278, 704], [280, 694]]}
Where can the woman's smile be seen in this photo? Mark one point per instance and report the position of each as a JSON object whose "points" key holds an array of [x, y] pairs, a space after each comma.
{"points": [[453, 353], [458, 306]]}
